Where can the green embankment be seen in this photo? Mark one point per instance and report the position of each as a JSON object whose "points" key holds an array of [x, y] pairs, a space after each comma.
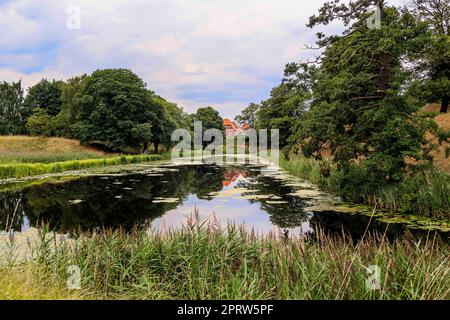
{"points": [[18, 170]]}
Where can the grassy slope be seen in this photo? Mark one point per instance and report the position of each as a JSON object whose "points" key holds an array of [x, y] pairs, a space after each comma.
{"points": [[443, 121], [22, 156], [24, 149]]}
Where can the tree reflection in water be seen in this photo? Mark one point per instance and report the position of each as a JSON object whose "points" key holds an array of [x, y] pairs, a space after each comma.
{"points": [[127, 201]]}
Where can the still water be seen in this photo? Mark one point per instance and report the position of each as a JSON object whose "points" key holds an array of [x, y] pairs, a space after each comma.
{"points": [[262, 198]]}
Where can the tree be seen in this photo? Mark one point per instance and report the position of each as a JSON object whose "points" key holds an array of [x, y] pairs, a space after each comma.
{"points": [[143, 135], [110, 104], [360, 109], [11, 108], [248, 115], [44, 95], [210, 119], [433, 62], [39, 123], [285, 106], [67, 116], [166, 118]]}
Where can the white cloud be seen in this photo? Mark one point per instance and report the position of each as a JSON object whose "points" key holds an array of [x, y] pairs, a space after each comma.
{"points": [[223, 53]]}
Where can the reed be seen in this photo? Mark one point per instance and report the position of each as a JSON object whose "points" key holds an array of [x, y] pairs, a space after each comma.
{"points": [[421, 193], [205, 261]]}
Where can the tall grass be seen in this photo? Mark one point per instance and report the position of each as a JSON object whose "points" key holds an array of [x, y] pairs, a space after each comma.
{"points": [[17, 170], [424, 193], [45, 157], [205, 261]]}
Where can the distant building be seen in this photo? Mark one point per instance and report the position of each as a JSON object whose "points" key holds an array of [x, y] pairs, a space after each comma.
{"points": [[232, 128]]}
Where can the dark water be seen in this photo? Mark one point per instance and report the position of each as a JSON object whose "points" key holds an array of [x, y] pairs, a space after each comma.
{"points": [[166, 197]]}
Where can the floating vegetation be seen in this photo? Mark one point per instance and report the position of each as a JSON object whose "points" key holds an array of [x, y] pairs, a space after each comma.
{"points": [[302, 185], [228, 193], [256, 196], [306, 193]]}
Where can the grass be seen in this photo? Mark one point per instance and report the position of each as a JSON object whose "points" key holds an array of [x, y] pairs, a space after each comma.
{"points": [[22, 156], [24, 149], [205, 261], [426, 193], [18, 170]]}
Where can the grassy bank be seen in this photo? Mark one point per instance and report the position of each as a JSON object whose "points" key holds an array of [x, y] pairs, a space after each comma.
{"points": [[17, 170], [24, 149], [205, 262], [426, 193]]}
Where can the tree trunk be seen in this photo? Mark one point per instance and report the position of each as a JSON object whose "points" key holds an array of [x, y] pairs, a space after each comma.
{"points": [[156, 147], [444, 104], [384, 59]]}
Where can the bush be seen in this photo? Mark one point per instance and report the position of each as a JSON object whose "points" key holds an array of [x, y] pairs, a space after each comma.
{"points": [[39, 123]]}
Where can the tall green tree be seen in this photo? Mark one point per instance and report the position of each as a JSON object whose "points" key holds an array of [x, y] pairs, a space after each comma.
{"points": [[432, 63], [285, 106], [249, 115], [210, 119], [166, 118], [11, 108], [44, 95], [109, 105], [359, 108]]}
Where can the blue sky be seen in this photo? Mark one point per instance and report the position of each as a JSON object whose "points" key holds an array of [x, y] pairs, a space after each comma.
{"points": [[223, 53]]}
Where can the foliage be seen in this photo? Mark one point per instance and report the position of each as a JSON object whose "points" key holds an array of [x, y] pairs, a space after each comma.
{"points": [[44, 95], [248, 115], [143, 134], [11, 108], [432, 62], [39, 123], [359, 108], [423, 193], [110, 104], [210, 119]]}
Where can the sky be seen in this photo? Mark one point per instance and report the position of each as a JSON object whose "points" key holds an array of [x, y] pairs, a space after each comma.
{"points": [[196, 53]]}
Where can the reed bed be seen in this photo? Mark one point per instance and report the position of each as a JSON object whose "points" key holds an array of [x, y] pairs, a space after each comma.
{"points": [[424, 193], [203, 260]]}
